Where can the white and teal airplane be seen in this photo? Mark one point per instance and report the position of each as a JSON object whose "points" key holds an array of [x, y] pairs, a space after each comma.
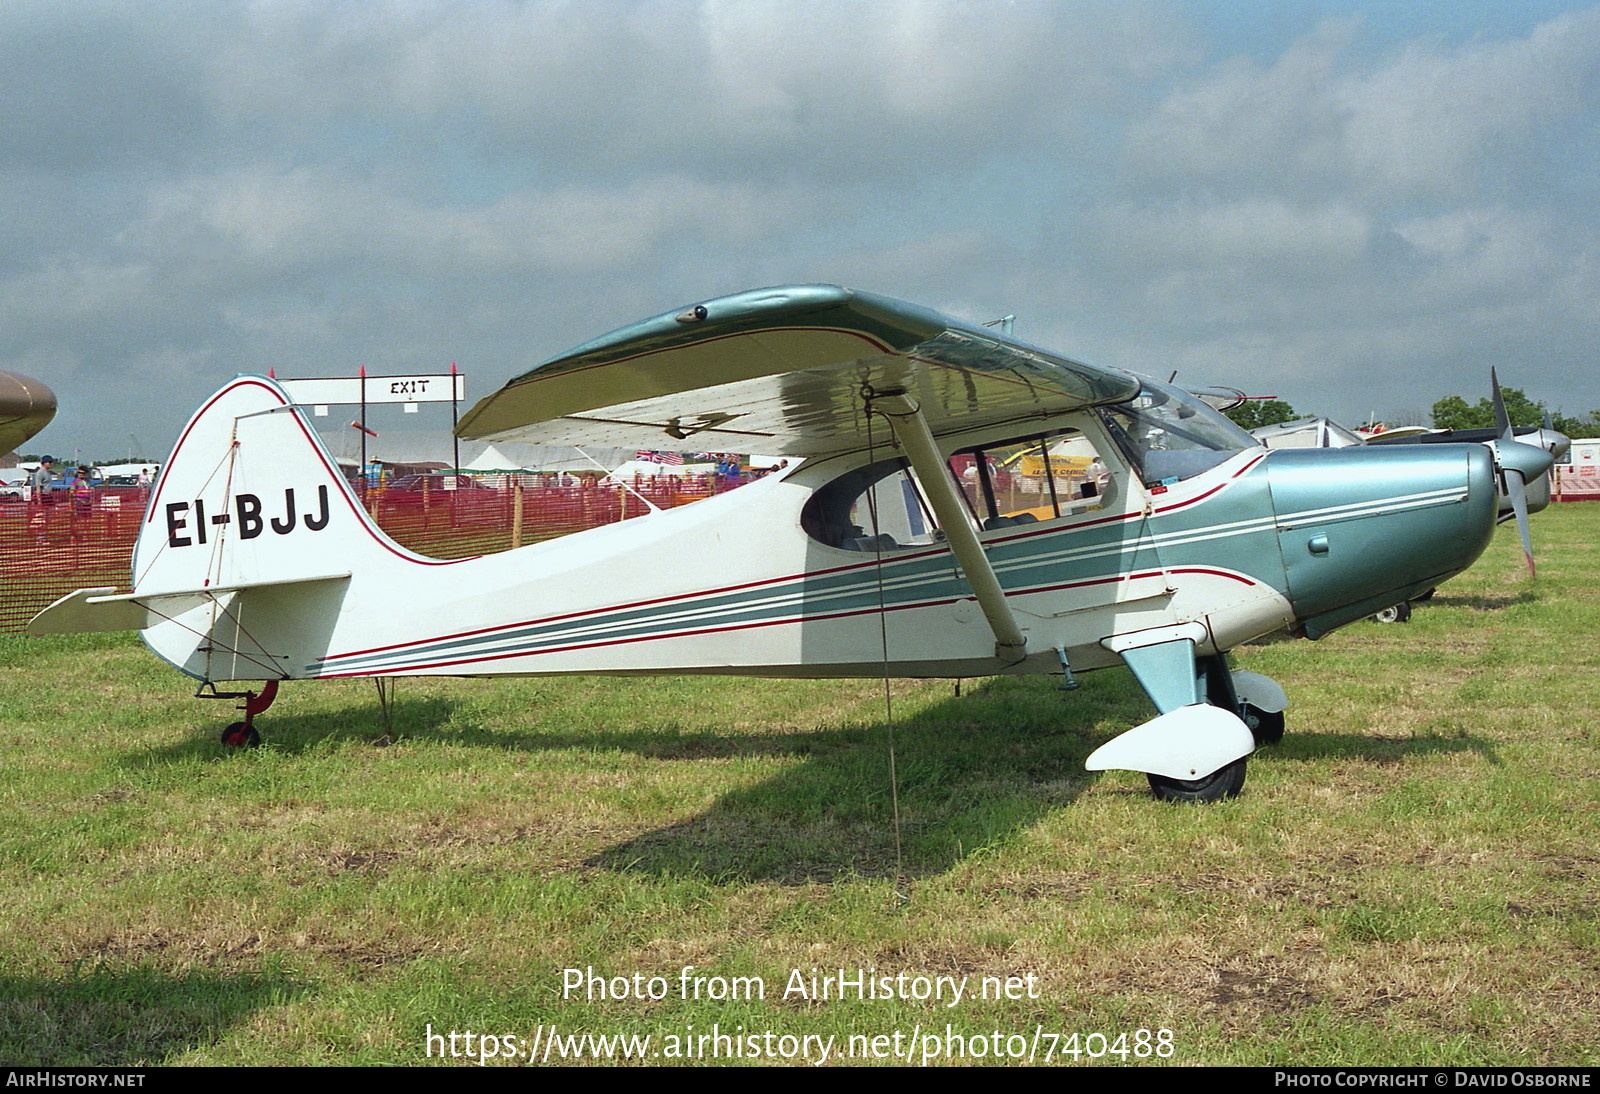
{"points": [[955, 503]]}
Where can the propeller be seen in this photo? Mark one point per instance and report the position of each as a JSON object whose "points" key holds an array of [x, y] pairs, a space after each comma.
{"points": [[1516, 467]]}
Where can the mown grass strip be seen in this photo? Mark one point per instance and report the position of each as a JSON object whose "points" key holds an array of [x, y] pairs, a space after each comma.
{"points": [[1410, 878]]}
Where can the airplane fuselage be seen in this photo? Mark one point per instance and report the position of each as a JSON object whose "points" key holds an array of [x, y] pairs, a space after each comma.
{"points": [[737, 583]]}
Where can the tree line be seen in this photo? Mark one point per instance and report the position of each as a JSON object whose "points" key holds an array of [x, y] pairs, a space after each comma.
{"points": [[1451, 412]]}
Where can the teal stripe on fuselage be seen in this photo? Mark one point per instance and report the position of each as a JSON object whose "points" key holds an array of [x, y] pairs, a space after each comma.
{"points": [[1097, 551], [1234, 529]]}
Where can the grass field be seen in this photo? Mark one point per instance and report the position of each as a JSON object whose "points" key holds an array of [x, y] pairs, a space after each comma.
{"points": [[1410, 878]]}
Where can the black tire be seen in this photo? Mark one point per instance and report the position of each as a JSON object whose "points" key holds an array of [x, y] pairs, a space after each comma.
{"points": [[239, 735], [1400, 613], [1265, 726], [1225, 782]]}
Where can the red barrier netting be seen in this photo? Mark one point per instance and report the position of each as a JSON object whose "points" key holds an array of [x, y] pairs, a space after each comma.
{"points": [[47, 551]]}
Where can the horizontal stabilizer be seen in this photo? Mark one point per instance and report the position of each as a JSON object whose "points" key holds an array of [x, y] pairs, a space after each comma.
{"points": [[74, 613], [105, 609]]}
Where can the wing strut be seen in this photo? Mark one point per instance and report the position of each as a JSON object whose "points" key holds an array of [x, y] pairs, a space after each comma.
{"points": [[916, 440]]}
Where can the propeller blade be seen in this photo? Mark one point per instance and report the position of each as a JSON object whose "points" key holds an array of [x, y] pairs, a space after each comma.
{"points": [[1519, 464], [1517, 490], [1502, 420], [1515, 478]]}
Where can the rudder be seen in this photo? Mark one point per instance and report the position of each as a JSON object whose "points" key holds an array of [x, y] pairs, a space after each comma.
{"points": [[249, 496], [244, 560]]}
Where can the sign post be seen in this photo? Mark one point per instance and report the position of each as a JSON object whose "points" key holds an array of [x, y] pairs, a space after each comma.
{"points": [[362, 389]]}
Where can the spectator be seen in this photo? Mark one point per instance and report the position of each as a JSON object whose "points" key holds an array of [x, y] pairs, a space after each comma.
{"points": [[82, 494], [40, 497], [39, 482]]}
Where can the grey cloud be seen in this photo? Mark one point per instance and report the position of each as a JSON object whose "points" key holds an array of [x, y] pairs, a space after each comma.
{"points": [[1432, 118], [1423, 122], [760, 86], [313, 185], [97, 87]]}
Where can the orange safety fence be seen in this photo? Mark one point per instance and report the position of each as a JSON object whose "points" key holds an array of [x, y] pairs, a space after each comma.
{"points": [[48, 551]]}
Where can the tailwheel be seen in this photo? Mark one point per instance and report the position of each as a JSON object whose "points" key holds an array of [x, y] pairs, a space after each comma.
{"points": [[241, 735], [1225, 782]]}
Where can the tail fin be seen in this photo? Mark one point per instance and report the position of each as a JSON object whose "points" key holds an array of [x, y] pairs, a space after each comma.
{"points": [[249, 497], [245, 551]]}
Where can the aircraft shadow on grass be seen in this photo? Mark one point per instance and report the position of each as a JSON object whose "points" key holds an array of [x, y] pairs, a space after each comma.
{"points": [[294, 734], [970, 772], [1484, 602], [1302, 747], [121, 1019], [967, 781]]}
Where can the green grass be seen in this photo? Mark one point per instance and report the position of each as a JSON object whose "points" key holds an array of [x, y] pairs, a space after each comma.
{"points": [[1409, 878]]}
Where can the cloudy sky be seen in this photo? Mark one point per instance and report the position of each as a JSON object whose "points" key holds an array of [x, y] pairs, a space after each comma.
{"points": [[1357, 207]]}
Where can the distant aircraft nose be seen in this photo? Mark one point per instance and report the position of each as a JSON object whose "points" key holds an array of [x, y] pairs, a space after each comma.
{"points": [[1529, 459], [1364, 528], [1557, 444], [26, 406]]}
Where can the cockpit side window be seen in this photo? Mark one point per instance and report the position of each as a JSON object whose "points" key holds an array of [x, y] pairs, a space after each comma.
{"points": [[1169, 435], [874, 508], [1020, 480], [1026, 479]]}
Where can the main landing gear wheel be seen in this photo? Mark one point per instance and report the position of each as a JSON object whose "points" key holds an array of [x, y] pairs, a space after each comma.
{"points": [[1225, 782], [1400, 613], [241, 735], [1266, 726]]}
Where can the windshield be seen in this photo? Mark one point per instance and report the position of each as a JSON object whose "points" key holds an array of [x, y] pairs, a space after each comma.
{"points": [[1170, 435]]}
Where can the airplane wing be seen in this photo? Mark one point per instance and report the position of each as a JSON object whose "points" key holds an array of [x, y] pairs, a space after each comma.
{"points": [[1220, 398], [1400, 432], [782, 371]]}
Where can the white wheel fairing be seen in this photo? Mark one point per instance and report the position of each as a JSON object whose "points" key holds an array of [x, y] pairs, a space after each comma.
{"points": [[1261, 692], [1188, 743]]}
